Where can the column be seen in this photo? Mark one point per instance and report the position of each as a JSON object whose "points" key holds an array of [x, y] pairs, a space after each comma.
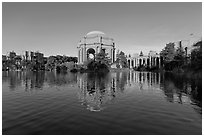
{"points": [[145, 61], [128, 63], [84, 53], [78, 56], [82, 60], [111, 55], [138, 62], [133, 63], [150, 65], [152, 61], [96, 50]]}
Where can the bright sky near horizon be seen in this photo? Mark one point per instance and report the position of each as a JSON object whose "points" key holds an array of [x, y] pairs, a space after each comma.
{"points": [[56, 28]]}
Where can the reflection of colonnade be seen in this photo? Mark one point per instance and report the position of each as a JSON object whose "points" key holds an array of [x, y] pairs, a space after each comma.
{"points": [[94, 42], [144, 77], [151, 60], [115, 82], [96, 93]]}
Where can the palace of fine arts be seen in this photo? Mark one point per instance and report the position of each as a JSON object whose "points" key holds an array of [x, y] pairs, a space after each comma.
{"points": [[101, 68]]}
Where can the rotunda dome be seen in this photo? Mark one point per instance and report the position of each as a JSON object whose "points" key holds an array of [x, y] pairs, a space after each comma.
{"points": [[91, 33]]}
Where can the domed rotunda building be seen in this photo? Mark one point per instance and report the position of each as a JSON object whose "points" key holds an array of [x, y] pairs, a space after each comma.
{"points": [[93, 43]]}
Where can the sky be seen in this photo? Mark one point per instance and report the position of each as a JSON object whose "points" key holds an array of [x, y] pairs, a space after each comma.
{"points": [[56, 28]]}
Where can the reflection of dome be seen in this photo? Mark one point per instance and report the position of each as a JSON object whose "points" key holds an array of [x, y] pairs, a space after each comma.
{"points": [[95, 33], [94, 108]]}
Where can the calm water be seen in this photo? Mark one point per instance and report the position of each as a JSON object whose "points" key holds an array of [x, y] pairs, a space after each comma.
{"points": [[116, 103]]}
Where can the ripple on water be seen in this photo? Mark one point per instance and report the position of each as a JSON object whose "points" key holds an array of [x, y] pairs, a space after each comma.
{"points": [[127, 103]]}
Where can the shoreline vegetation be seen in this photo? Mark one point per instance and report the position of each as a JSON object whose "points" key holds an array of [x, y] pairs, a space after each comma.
{"points": [[174, 60]]}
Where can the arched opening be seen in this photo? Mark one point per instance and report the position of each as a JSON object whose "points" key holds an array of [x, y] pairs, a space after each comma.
{"points": [[153, 61], [140, 62], [132, 62], [161, 61], [148, 62], [90, 54], [157, 61], [143, 62], [128, 63]]}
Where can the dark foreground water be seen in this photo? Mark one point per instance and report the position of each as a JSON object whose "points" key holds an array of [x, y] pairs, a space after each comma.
{"points": [[116, 103]]}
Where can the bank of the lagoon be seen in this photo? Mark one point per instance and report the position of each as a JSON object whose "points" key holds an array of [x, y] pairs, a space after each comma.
{"points": [[119, 102]]}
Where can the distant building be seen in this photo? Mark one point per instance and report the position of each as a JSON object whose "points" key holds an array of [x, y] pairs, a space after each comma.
{"points": [[31, 56], [151, 60], [34, 56], [26, 55]]}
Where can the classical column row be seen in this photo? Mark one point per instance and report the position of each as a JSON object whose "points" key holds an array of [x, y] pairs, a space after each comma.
{"points": [[150, 61], [153, 61]]}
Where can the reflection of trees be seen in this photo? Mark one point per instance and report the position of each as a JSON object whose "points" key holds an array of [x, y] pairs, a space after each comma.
{"points": [[178, 88], [29, 80], [14, 80], [60, 79], [35, 80]]}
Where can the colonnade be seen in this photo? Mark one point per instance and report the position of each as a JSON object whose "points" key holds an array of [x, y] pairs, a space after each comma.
{"points": [[147, 61]]}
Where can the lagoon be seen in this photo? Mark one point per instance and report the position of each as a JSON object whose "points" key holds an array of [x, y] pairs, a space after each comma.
{"points": [[120, 103]]}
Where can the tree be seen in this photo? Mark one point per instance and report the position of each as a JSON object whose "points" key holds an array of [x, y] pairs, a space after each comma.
{"points": [[196, 56], [101, 63], [168, 52], [121, 59], [179, 56], [102, 58]]}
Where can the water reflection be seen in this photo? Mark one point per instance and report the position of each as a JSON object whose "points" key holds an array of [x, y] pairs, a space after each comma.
{"points": [[181, 89], [96, 90], [29, 80]]}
